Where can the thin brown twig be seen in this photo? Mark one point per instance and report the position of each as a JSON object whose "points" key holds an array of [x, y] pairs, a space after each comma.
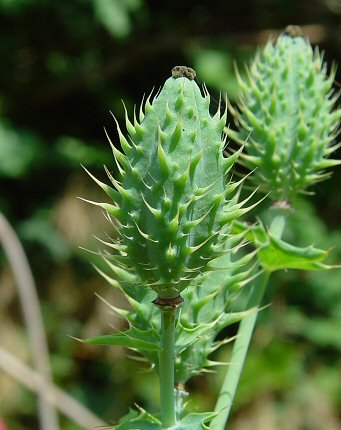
{"points": [[31, 311], [51, 394]]}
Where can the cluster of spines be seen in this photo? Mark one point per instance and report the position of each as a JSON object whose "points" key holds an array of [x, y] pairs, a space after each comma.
{"points": [[207, 309], [171, 201], [286, 115]]}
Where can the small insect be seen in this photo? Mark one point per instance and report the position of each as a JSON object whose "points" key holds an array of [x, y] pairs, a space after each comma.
{"points": [[183, 72], [293, 31]]}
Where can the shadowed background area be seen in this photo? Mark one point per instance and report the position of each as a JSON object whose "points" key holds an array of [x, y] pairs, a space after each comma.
{"points": [[63, 67]]}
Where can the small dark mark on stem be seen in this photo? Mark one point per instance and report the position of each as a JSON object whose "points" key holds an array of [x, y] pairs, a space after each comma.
{"points": [[172, 303]]}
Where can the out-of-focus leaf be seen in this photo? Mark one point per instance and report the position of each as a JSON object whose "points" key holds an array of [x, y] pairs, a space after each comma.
{"points": [[18, 150], [272, 368], [215, 68], [77, 152], [324, 332], [40, 230], [114, 15]]}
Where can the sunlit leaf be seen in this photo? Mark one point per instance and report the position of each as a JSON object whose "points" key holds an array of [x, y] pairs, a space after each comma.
{"points": [[276, 254], [132, 338], [138, 420], [142, 420]]}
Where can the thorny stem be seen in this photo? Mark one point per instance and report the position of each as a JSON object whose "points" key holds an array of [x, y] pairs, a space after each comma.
{"points": [[166, 366], [242, 343]]}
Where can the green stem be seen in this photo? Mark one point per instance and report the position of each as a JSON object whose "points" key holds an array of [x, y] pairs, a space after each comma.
{"points": [[239, 352], [166, 366], [277, 225], [241, 345]]}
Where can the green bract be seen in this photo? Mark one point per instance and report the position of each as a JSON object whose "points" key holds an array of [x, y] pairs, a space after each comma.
{"points": [[172, 203], [286, 116], [207, 309]]}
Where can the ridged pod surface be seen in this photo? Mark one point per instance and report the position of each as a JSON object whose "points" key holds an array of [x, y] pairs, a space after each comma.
{"points": [[286, 116], [173, 203], [207, 309]]}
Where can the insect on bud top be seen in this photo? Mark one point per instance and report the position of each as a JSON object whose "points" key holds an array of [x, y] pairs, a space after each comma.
{"points": [[183, 72]]}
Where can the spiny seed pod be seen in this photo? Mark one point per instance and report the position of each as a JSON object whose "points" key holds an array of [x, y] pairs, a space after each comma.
{"points": [[172, 204], [286, 116], [208, 308]]}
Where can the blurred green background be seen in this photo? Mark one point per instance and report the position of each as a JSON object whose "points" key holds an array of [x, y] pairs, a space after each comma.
{"points": [[63, 67]]}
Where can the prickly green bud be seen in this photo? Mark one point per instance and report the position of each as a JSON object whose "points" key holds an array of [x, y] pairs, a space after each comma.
{"points": [[173, 205], [208, 308], [286, 116]]}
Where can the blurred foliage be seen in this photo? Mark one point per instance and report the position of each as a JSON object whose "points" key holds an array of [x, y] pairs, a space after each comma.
{"points": [[18, 151], [114, 15], [63, 66]]}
